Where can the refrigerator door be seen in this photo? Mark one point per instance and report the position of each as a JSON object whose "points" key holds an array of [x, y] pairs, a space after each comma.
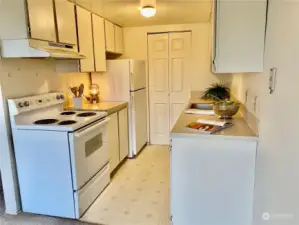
{"points": [[138, 75], [115, 83], [138, 121]]}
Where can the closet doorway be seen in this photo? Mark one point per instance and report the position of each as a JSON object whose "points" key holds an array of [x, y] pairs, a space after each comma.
{"points": [[169, 86]]}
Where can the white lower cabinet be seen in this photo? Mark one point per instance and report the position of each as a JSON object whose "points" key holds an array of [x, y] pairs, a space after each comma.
{"points": [[118, 136], [113, 138], [123, 134], [212, 180]]}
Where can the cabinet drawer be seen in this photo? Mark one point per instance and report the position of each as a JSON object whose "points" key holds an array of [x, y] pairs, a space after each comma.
{"points": [[88, 194]]}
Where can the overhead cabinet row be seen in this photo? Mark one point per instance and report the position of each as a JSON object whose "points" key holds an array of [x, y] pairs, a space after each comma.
{"points": [[42, 21], [47, 20], [52, 28], [95, 37]]}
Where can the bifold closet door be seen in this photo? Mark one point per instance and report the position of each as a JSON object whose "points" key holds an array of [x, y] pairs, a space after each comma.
{"points": [[179, 72], [158, 88], [169, 86]]}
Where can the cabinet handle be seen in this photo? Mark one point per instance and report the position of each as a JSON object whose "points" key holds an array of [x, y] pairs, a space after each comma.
{"points": [[214, 64], [272, 80]]}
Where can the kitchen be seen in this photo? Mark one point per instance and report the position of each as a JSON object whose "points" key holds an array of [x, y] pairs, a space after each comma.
{"points": [[121, 32]]}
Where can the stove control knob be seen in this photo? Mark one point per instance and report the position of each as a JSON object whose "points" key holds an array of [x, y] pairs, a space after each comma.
{"points": [[58, 97], [26, 104], [62, 97], [21, 104]]}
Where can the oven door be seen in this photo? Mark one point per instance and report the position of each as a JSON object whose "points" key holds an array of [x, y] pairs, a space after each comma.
{"points": [[89, 152]]}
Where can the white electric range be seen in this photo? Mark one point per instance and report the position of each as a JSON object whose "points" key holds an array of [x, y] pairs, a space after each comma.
{"points": [[61, 156]]}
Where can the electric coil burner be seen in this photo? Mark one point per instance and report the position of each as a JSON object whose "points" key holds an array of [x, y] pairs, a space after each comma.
{"points": [[46, 121], [67, 122], [67, 113], [87, 114]]}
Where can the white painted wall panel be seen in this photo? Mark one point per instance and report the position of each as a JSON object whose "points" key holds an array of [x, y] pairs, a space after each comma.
{"points": [[277, 183]]}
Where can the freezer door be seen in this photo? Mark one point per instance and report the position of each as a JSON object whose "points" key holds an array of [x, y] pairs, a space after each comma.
{"points": [[138, 117], [138, 74]]}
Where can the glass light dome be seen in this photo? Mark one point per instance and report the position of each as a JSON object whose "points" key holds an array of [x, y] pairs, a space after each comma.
{"points": [[148, 11]]}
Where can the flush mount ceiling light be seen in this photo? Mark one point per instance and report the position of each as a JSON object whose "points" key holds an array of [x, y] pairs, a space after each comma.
{"points": [[148, 8], [148, 11]]}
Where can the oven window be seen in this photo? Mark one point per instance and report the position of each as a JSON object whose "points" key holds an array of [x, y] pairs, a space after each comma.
{"points": [[93, 144]]}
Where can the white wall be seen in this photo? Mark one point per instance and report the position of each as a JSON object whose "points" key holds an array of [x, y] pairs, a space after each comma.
{"points": [[135, 45], [23, 77], [277, 169]]}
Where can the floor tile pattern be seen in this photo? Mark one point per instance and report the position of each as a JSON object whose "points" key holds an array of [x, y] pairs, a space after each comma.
{"points": [[138, 193]]}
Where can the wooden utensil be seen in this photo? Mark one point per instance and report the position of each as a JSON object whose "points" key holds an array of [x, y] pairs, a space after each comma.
{"points": [[74, 90], [81, 90]]}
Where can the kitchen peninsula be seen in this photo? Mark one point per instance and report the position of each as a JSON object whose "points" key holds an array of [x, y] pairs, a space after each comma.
{"points": [[212, 175]]}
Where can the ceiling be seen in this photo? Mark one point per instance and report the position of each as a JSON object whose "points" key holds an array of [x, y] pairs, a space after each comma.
{"points": [[126, 12]]}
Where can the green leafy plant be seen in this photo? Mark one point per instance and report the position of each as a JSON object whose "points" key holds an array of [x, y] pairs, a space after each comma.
{"points": [[217, 92]]}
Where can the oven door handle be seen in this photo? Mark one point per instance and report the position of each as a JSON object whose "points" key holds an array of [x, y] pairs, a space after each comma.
{"points": [[91, 128]]}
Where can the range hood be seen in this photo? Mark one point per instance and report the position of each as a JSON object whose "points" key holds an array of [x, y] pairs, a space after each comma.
{"points": [[31, 48]]}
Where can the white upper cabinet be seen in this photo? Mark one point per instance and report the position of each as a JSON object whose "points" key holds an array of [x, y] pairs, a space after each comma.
{"points": [[42, 20], [110, 36], [239, 34], [85, 39], [118, 39], [66, 22], [99, 43]]}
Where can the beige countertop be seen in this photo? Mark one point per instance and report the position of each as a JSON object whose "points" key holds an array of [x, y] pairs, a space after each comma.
{"points": [[240, 128], [109, 107]]}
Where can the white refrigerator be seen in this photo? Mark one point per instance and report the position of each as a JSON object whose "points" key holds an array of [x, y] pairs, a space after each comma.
{"points": [[125, 80]]}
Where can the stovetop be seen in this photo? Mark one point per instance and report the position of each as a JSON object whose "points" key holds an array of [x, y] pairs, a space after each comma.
{"points": [[45, 112], [60, 121]]}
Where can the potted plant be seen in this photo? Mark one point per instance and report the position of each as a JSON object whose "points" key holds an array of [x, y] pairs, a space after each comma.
{"points": [[217, 92]]}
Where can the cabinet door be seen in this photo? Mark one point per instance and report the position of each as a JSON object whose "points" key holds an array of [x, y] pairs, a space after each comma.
{"points": [[42, 20], [99, 43], [123, 133], [66, 22], [113, 142], [110, 36], [204, 171], [239, 36], [85, 39], [118, 39]]}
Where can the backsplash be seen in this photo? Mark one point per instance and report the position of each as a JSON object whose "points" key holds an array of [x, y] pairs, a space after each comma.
{"points": [[246, 88], [23, 77]]}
